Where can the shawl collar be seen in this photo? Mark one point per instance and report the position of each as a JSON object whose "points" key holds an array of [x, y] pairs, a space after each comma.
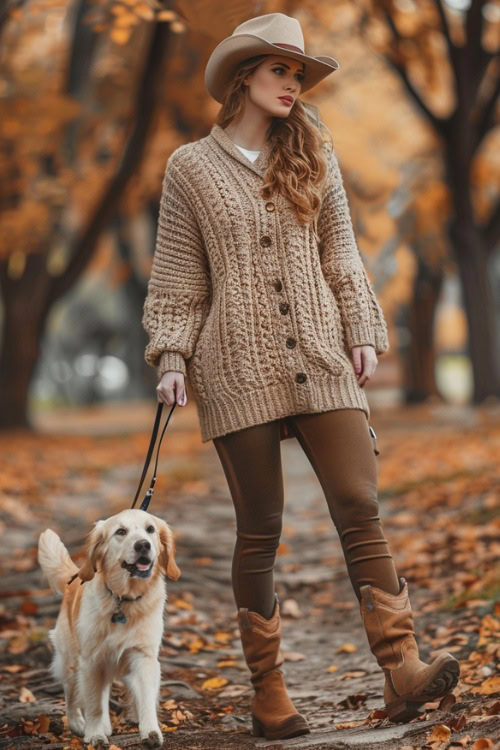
{"points": [[222, 138]]}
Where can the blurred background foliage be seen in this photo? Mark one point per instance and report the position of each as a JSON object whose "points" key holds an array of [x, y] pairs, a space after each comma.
{"points": [[95, 95]]}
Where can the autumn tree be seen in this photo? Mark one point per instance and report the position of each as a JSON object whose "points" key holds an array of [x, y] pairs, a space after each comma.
{"points": [[447, 60], [56, 161]]}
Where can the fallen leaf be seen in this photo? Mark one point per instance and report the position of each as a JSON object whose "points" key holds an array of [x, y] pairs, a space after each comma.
{"points": [[349, 648], [214, 683], [440, 733], [26, 696]]}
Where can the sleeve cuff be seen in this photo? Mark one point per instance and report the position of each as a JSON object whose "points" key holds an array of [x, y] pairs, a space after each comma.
{"points": [[171, 361], [359, 334]]}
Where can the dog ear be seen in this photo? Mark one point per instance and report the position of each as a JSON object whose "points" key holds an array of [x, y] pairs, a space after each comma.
{"points": [[94, 552], [167, 554]]}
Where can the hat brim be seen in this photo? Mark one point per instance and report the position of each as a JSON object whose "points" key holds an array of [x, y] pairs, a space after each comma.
{"points": [[235, 49]]}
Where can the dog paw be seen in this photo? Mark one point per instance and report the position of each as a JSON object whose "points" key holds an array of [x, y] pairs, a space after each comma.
{"points": [[154, 739], [99, 741], [76, 725]]}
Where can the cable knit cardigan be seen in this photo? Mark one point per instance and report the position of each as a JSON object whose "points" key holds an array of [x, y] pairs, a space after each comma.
{"points": [[259, 312]]}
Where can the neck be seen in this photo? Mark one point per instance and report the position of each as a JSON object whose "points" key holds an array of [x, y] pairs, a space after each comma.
{"points": [[250, 131]]}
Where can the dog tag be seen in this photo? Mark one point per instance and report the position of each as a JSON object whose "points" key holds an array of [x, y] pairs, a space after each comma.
{"points": [[118, 617]]}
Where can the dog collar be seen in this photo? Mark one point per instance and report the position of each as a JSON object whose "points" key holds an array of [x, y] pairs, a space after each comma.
{"points": [[118, 615]]}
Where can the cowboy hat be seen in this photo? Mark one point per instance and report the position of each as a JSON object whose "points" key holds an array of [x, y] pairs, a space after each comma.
{"points": [[273, 33]]}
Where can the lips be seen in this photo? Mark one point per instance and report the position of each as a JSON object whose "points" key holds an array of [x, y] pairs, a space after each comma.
{"points": [[141, 568], [286, 99]]}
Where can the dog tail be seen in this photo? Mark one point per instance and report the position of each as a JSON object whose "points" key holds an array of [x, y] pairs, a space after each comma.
{"points": [[54, 560]]}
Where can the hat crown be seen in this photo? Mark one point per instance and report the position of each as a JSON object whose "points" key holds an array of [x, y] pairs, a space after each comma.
{"points": [[276, 28]]}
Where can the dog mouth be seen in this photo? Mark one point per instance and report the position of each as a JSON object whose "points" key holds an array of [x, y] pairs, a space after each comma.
{"points": [[141, 567]]}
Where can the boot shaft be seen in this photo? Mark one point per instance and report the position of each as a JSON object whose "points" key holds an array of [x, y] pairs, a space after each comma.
{"points": [[388, 621], [261, 640]]}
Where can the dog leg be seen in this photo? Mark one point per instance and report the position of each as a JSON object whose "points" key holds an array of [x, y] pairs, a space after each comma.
{"points": [[130, 709], [76, 722], [94, 686], [105, 708], [143, 681]]}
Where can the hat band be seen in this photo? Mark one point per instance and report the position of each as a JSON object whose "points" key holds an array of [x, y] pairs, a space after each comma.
{"points": [[288, 46]]}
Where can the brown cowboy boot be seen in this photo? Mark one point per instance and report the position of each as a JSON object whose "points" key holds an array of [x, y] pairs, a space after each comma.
{"points": [[273, 714], [409, 682]]}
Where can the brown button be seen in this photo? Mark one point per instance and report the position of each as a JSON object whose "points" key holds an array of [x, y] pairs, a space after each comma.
{"points": [[291, 343], [277, 285], [283, 308], [265, 240], [270, 206], [301, 377]]}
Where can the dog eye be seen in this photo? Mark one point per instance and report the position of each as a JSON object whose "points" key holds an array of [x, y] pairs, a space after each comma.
{"points": [[122, 531], [150, 529]]}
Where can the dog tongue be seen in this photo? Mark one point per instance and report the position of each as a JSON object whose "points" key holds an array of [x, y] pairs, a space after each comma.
{"points": [[143, 566]]}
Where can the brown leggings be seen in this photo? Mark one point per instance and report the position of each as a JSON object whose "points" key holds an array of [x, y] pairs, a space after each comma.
{"points": [[340, 450]]}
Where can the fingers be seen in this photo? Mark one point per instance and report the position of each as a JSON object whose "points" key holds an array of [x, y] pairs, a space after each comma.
{"points": [[172, 388], [365, 363]]}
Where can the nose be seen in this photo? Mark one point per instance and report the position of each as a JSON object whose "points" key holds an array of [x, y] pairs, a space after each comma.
{"points": [[142, 545]]}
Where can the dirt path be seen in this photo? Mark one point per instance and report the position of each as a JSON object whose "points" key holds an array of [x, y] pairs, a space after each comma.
{"points": [[429, 496]]}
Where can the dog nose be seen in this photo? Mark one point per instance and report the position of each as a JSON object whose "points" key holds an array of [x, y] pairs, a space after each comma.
{"points": [[142, 546]]}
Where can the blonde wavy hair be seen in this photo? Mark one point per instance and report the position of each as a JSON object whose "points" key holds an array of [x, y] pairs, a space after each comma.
{"points": [[297, 165]]}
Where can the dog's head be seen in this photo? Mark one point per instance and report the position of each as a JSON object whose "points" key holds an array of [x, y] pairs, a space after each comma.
{"points": [[132, 542]]}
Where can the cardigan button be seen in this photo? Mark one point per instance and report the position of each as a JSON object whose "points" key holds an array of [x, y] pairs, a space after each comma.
{"points": [[278, 285], [283, 308], [301, 377], [265, 240], [290, 342], [270, 206]]}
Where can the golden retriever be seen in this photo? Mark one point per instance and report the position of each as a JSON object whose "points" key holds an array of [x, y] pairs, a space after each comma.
{"points": [[111, 626]]}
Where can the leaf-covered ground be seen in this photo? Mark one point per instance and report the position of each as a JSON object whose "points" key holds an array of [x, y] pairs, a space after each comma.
{"points": [[439, 489]]}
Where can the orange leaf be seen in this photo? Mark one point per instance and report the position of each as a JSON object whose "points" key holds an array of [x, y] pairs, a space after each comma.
{"points": [[26, 696], [214, 682], [440, 733], [350, 648]]}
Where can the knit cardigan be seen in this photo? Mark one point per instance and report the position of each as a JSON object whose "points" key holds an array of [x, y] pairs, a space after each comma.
{"points": [[258, 311]]}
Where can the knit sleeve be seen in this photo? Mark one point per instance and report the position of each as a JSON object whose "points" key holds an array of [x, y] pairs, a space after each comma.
{"points": [[343, 268], [179, 289]]}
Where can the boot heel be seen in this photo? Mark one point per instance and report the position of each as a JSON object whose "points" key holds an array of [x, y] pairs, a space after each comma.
{"points": [[404, 710], [257, 729]]}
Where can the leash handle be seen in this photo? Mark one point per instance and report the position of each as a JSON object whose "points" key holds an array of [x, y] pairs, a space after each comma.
{"points": [[147, 498]]}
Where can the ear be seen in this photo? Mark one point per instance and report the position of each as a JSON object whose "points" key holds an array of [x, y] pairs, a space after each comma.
{"points": [[167, 553], [94, 552]]}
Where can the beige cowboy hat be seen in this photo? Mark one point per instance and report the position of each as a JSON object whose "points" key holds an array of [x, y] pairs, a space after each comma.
{"points": [[273, 33]]}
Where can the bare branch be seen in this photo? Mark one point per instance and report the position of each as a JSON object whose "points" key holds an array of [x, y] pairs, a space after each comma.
{"points": [[439, 123], [452, 49]]}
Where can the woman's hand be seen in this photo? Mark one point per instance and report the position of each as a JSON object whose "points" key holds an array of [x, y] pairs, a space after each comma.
{"points": [[171, 388], [365, 362]]}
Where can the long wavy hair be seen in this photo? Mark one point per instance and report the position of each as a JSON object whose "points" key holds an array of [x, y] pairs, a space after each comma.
{"points": [[297, 165]]}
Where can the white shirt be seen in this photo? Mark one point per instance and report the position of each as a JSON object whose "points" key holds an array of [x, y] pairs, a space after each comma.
{"points": [[252, 155]]}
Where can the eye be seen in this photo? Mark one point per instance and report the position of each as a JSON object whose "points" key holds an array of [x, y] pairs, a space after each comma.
{"points": [[150, 529], [121, 531], [282, 70]]}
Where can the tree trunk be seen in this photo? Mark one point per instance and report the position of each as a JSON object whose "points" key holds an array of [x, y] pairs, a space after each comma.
{"points": [[420, 363], [24, 316], [472, 263]]}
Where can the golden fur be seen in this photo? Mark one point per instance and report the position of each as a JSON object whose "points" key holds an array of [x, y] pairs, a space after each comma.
{"points": [[91, 650]]}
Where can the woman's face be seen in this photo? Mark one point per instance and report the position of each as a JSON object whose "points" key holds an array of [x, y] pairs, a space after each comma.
{"points": [[276, 77]]}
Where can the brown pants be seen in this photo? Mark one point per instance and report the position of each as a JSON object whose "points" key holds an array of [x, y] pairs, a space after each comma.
{"points": [[340, 450]]}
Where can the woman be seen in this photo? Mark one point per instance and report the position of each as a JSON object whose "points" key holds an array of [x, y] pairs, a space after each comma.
{"points": [[258, 294]]}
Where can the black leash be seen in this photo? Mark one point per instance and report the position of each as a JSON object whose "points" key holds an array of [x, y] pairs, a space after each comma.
{"points": [[149, 494], [145, 503]]}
